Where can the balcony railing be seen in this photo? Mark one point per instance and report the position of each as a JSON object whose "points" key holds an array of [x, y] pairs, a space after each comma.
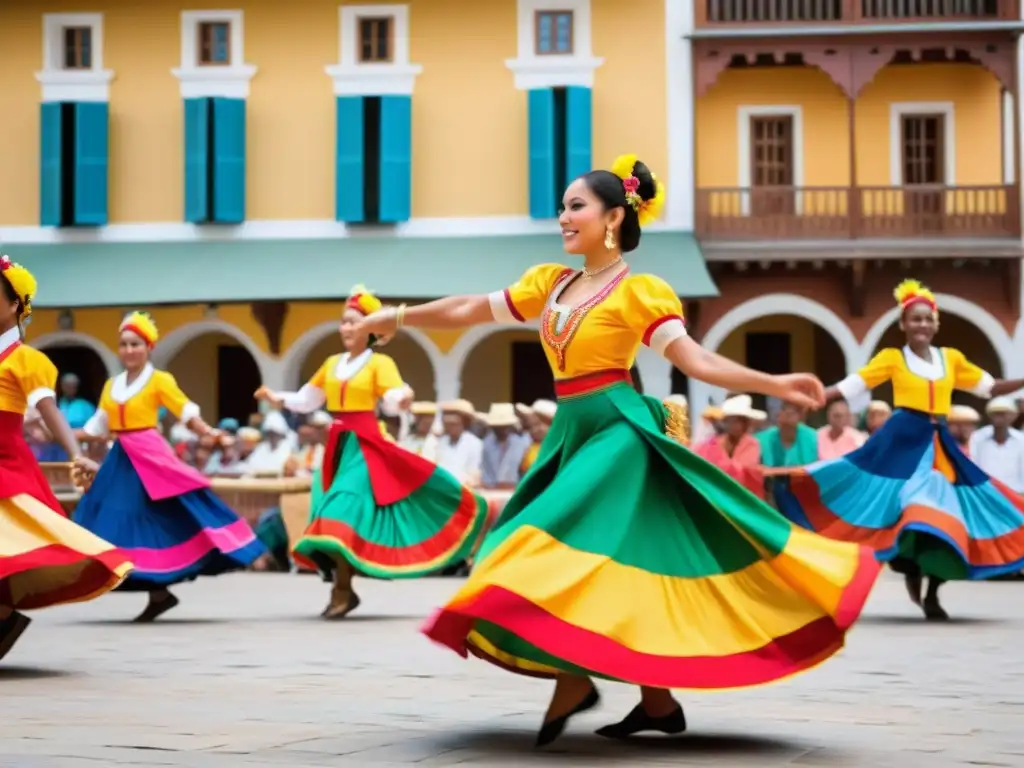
{"points": [[831, 213], [803, 12]]}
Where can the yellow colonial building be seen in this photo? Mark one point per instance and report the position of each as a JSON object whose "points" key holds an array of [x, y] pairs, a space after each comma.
{"points": [[235, 171]]}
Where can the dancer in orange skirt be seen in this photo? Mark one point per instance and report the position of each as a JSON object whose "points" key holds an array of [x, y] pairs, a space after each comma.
{"points": [[45, 559]]}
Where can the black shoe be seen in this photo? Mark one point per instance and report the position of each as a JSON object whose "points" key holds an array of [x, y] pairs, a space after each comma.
{"points": [[11, 629], [638, 720], [933, 611], [552, 729], [155, 610]]}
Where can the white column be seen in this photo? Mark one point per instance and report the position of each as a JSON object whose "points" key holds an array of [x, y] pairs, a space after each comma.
{"points": [[447, 382], [655, 373], [680, 108]]}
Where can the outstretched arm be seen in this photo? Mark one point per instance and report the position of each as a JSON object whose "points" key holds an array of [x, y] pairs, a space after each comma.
{"points": [[59, 427], [1006, 386], [451, 312], [695, 361]]}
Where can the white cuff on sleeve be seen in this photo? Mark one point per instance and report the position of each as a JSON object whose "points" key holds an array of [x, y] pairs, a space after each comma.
{"points": [[97, 425], [666, 332], [37, 396], [306, 400], [852, 387], [392, 399], [501, 307], [983, 388], [189, 412]]}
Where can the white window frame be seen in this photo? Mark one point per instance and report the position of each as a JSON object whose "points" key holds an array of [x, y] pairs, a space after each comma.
{"points": [[897, 109], [59, 84], [744, 141], [198, 81], [352, 77], [553, 70]]}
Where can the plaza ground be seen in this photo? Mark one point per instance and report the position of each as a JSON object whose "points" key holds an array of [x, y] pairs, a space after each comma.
{"points": [[244, 673]]}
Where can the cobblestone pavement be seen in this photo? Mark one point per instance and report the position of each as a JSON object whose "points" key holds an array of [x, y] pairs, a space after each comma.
{"points": [[243, 673]]}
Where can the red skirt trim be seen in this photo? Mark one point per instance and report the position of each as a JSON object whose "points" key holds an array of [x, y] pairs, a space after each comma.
{"points": [[19, 471]]}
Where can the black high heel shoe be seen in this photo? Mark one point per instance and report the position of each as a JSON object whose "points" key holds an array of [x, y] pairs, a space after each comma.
{"points": [[638, 721], [552, 729]]}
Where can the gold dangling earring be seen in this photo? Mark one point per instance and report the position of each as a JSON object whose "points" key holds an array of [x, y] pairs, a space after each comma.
{"points": [[609, 239]]}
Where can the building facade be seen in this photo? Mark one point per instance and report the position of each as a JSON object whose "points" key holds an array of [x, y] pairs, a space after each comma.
{"points": [[840, 147], [237, 171]]}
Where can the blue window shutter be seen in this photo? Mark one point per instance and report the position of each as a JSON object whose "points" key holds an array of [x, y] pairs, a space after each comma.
{"points": [[228, 161], [197, 160], [348, 181], [542, 153], [91, 159], [578, 132], [395, 158], [50, 168]]}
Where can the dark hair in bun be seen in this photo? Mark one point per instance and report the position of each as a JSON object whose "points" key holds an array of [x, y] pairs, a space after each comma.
{"points": [[610, 191]]}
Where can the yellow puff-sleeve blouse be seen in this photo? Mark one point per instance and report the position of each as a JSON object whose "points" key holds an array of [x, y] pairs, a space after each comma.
{"points": [[127, 406], [601, 333], [346, 384], [919, 384], [27, 377]]}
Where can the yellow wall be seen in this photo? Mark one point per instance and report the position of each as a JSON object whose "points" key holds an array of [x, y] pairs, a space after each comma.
{"points": [[734, 346], [469, 121], [974, 92]]}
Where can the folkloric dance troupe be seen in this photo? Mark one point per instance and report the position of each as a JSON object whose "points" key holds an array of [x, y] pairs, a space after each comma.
{"points": [[621, 555]]}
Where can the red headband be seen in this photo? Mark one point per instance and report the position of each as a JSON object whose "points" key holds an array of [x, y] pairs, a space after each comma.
{"points": [[353, 303], [912, 300], [138, 332]]}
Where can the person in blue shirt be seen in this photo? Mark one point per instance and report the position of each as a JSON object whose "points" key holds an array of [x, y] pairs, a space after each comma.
{"points": [[76, 410]]}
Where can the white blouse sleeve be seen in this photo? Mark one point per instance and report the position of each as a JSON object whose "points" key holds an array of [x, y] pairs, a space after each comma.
{"points": [[306, 400], [97, 425], [390, 401]]}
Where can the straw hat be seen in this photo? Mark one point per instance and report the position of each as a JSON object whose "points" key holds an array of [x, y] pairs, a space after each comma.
{"points": [[879, 406], [963, 414], [1001, 405], [423, 409], [546, 409], [742, 406], [460, 406], [249, 435], [321, 419], [712, 413], [501, 415]]}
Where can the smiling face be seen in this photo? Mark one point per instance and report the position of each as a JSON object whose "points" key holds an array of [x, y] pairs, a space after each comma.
{"points": [[351, 338], [133, 351], [920, 324], [584, 220]]}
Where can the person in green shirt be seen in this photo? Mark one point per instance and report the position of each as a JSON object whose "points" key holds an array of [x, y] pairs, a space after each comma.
{"points": [[790, 443]]}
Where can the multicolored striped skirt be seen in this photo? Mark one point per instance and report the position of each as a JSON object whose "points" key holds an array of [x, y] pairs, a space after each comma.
{"points": [[912, 495], [388, 512], [624, 555]]}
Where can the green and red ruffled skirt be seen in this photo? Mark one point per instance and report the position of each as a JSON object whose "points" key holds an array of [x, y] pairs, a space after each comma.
{"points": [[386, 511], [624, 555]]}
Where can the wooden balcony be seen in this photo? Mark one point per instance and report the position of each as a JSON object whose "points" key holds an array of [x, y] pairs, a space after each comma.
{"points": [[861, 213], [726, 13]]}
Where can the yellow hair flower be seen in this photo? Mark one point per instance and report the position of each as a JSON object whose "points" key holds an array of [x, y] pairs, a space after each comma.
{"points": [[362, 300], [142, 325], [647, 211], [22, 281], [912, 292]]}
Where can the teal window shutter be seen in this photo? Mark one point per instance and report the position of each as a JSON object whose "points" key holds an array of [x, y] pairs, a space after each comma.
{"points": [[578, 132], [348, 181], [542, 153], [91, 160], [395, 158], [197, 160], [51, 169], [228, 161]]}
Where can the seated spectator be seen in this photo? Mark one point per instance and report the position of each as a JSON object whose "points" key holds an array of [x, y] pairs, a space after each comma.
{"points": [[736, 452]]}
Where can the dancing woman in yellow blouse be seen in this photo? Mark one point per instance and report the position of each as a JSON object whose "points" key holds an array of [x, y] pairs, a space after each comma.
{"points": [[910, 492], [161, 511], [45, 559], [621, 554], [377, 508]]}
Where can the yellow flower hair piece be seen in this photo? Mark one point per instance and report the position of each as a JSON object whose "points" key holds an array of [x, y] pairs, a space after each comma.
{"points": [[142, 325], [647, 211], [363, 301], [911, 292], [23, 283]]}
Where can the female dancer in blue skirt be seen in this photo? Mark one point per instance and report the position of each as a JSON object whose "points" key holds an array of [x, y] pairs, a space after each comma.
{"points": [[910, 492]]}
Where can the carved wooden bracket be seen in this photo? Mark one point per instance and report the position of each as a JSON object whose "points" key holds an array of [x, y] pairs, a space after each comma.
{"points": [[271, 316], [858, 288]]}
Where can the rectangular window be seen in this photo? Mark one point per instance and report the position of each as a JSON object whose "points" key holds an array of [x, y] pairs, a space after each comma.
{"points": [[375, 43], [924, 164], [560, 128], [215, 160], [374, 153], [771, 165], [73, 164], [214, 44], [553, 33], [77, 48]]}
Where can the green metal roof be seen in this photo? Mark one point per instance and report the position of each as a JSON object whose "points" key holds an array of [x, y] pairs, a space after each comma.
{"points": [[222, 271]]}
